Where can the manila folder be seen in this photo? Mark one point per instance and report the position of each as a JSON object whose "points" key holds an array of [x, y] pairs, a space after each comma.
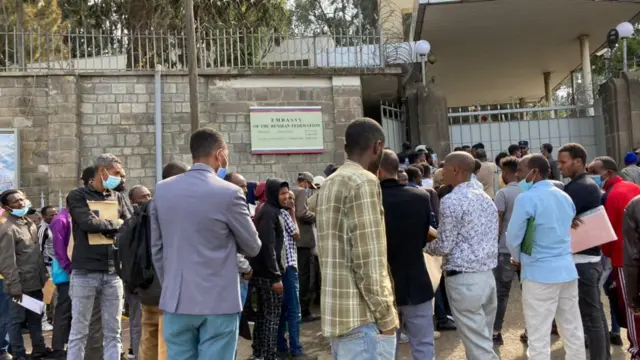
{"points": [[105, 210]]}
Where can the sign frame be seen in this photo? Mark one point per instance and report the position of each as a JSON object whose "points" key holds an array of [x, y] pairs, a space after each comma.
{"points": [[317, 110], [16, 138]]}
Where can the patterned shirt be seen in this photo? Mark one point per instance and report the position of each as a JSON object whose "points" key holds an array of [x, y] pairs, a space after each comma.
{"points": [[352, 248], [468, 231], [291, 255]]}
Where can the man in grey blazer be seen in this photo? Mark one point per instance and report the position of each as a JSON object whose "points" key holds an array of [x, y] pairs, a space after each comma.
{"points": [[199, 223]]}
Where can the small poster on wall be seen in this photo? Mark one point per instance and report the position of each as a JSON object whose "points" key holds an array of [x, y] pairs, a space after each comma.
{"points": [[9, 159], [286, 130]]}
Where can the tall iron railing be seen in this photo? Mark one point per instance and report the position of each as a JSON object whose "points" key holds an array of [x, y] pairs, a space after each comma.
{"points": [[91, 50]]}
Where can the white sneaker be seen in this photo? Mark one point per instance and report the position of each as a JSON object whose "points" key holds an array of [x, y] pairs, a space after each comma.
{"points": [[403, 339], [47, 327]]}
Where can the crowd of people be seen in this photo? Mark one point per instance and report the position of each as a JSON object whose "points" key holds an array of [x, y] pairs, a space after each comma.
{"points": [[192, 274]]}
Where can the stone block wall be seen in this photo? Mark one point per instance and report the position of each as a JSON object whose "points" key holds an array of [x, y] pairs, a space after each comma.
{"points": [[65, 121], [621, 112]]}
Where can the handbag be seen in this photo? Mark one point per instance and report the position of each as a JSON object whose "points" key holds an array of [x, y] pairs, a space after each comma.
{"points": [[58, 274]]}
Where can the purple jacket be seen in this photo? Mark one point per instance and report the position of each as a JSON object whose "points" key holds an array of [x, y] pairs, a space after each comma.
{"points": [[61, 229]]}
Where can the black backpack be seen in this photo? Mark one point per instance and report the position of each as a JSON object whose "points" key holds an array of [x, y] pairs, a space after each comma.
{"points": [[133, 255]]}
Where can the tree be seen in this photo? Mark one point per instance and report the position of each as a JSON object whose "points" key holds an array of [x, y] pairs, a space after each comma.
{"points": [[42, 41]]}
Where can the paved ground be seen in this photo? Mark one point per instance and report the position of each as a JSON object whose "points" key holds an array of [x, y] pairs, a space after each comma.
{"points": [[448, 347]]}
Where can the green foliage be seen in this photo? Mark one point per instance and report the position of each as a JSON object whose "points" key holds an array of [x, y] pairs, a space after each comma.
{"points": [[40, 42], [599, 63]]}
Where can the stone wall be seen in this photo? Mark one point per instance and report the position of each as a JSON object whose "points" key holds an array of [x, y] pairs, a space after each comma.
{"points": [[65, 121], [621, 112]]}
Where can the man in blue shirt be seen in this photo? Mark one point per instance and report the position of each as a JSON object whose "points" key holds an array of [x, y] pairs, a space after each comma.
{"points": [[549, 276]]}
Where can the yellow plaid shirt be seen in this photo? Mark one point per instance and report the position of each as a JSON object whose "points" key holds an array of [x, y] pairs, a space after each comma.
{"points": [[352, 247]]}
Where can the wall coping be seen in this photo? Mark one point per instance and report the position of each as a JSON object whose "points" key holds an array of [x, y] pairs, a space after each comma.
{"points": [[389, 70]]}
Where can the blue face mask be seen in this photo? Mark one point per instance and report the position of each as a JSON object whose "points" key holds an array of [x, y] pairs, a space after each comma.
{"points": [[222, 171], [597, 179], [524, 185], [112, 182], [21, 212]]}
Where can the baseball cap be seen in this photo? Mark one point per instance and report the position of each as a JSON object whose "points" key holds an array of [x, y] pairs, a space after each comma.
{"points": [[318, 181], [523, 143], [306, 176]]}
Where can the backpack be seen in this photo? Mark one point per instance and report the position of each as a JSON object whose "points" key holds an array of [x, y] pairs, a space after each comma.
{"points": [[132, 257]]}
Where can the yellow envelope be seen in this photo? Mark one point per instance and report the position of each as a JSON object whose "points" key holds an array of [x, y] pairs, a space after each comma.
{"points": [[48, 291], [105, 210]]}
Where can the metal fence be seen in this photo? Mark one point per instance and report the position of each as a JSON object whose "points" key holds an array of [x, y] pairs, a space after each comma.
{"points": [[91, 50]]}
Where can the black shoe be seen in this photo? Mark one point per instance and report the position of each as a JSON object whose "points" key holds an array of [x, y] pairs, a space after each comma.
{"points": [[310, 318], [58, 355], [615, 339], [524, 338], [497, 339], [44, 354], [446, 326]]}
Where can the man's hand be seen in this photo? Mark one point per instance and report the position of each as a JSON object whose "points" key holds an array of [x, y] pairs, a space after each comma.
{"points": [[576, 222], [515, 264], [118, 222], [292, 211], [277, 287], [390, 332], [17, 295], [248, 275]]}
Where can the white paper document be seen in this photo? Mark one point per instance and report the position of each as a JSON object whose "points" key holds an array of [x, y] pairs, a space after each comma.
{"points": [[32, 304]]}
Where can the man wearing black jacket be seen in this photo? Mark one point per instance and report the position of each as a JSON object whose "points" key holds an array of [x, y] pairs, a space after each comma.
{"points": [[268, 269], [93, 265], [406, 237]]}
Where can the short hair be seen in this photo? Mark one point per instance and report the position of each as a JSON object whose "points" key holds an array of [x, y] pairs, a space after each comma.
{"points": [[457, 148], [501, 156], [174, 168], [390, 162], [413, 156], [478, 146], [513, 148], [465, 147], [477, 166], [413, 173], [481, 154], [106, 160], [204, 142], [608, 163], [406, 146], [88, 174], [133, 189], [229, 176], [510, 164], [361, 134], [426, 169], [575, 151], [4, 197], [46, 208], [547, 147], [540, 163]]}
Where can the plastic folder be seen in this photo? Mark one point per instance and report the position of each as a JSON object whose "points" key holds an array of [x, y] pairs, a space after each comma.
{"points": [[527, 242], [595, 230]]}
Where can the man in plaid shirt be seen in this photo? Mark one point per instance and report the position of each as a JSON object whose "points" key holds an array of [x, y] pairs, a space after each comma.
{"points": [[290, 316]]}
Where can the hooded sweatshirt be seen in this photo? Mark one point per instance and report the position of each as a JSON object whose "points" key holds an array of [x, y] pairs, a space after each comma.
{"points": [[268, 263]]}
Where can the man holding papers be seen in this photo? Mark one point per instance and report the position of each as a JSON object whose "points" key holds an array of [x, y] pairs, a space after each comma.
{"points": [[618, 194], [22, 266], [586, 196], [549, 277]]}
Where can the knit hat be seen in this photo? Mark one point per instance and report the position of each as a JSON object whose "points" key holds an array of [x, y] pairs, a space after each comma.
{"points": [[630, 158]]}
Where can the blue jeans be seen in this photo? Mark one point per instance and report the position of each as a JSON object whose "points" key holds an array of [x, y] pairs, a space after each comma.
{"points": [[418, 320], [364, 343], [244, 290], [290, 316], [85, 288], [192, 337], [4, 319]]}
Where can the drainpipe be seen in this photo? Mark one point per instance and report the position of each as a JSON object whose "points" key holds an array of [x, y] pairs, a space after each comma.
{"points": [[158, 122]]}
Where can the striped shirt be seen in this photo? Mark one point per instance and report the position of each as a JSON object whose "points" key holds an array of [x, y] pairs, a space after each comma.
{"points": [[45, 237], [352, 248]]}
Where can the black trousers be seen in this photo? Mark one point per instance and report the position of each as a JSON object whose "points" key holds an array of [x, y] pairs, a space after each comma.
{"points": [[306, 270], [265, 332], [61, 318]]}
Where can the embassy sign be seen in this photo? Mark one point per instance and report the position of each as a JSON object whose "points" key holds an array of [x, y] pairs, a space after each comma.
{"points": [[286, 130]]}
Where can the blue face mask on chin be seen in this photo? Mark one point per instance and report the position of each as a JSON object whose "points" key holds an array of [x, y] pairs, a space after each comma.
{"points": [[112, 182], [524, 185], [21, 212], [222, 171], [597, 179]]}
